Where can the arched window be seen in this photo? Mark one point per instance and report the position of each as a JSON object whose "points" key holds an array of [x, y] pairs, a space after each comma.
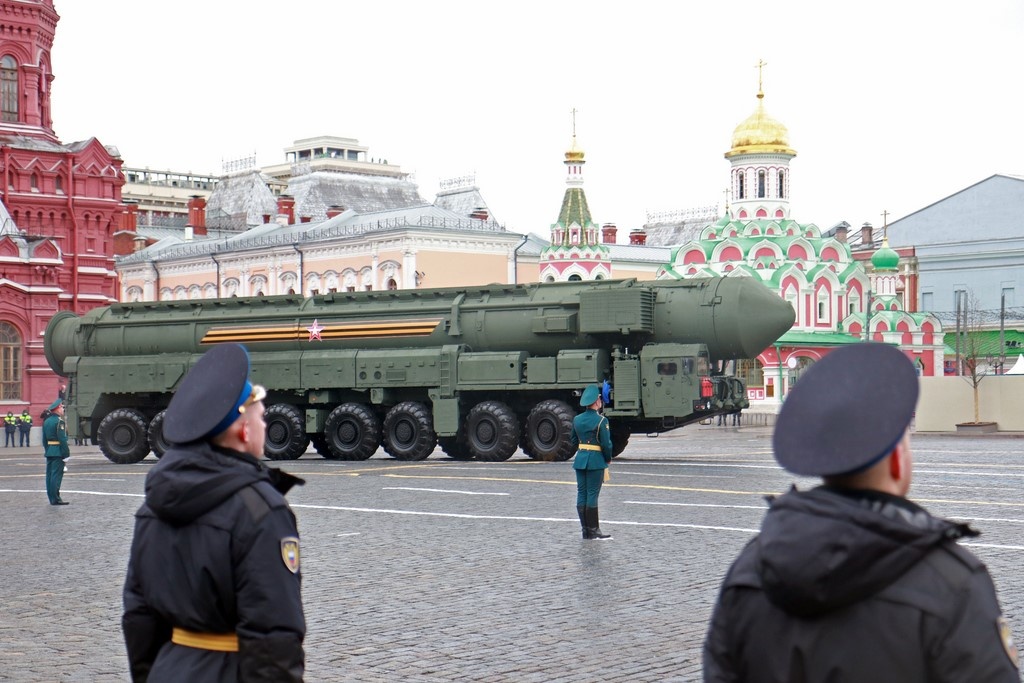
{"points": [[740, 178], [782, 184], [10, 363], [8, 89], [761, 184], [392, 285]]}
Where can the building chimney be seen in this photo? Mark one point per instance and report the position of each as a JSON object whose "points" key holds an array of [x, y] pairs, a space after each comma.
{"points": [[197, 214], [138, 242], [866, 239], [637, 236], [131, 215], [480, 213], [841, 232], [608, 233], [305, 219], [189, 232], [286, 208], [335, 211]]}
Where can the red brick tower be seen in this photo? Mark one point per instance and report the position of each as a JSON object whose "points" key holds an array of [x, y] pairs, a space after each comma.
{"points": [[58, 205]]}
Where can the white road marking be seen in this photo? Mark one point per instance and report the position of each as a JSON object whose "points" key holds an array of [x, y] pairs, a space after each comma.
{"points": [[466, 493], [697, 505]]}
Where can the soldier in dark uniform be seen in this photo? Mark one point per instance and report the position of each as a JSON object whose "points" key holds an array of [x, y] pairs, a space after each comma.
{"points": [[213, 586], [25, 428], [10, 427], [55, 443], [851, 581], [592, 438]]}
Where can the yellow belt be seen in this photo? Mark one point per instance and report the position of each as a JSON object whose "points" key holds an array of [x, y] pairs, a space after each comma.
{"points": [[53, 443], [589, 447], [218, 642]]}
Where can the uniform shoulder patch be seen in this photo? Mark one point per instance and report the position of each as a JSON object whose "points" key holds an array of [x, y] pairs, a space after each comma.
{"points": [[1007, 637], [290, 553]]}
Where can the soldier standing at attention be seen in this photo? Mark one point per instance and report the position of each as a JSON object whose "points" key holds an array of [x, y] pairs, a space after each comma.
{"points": [[55, 442], [212, 593], [25, 427], [850, 581], [9, 428], [592, 438]]}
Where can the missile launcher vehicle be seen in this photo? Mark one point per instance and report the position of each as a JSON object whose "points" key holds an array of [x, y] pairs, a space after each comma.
{"points": [[480, 371]]}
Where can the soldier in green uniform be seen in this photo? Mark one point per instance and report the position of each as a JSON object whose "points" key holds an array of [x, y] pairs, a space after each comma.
{"points": [[592, 438], [55, 441]]}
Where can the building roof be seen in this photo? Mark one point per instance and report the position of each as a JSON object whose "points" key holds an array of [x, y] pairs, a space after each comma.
{"points": [[347, 224], [318, 191]]}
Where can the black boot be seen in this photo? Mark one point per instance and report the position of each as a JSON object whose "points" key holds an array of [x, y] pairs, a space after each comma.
{"points": [[595, 525], [582, 510]]}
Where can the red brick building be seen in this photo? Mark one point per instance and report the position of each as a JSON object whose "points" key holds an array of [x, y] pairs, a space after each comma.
{"points": [[59, 205]]}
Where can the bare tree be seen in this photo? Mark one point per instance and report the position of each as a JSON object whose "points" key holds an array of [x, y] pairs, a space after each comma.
{"points": [[972, 363]]}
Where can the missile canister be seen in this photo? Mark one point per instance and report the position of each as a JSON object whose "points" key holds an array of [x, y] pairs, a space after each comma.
{"points": [[352, 371]]}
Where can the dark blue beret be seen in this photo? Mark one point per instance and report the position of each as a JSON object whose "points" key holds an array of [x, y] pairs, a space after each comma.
{"points": [[848, 411], [209, 395], [590, 395]]}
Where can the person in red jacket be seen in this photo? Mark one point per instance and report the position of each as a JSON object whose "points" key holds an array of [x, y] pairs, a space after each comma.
{"points": [[851, 581]]}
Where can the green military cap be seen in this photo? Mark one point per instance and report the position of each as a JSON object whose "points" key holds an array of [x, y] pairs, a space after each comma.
{"points": [[56, 403], [590, 395]]}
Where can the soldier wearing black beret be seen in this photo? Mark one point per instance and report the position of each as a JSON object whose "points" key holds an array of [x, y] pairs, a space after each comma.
{"points": [[851, 581], [213, 585]]}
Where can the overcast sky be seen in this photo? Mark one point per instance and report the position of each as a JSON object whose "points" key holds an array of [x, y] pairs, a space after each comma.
{"points": [[890, 105]]}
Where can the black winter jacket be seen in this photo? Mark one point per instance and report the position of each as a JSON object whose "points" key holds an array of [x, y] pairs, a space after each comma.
{"points": [[856, 586], [209, 556]]}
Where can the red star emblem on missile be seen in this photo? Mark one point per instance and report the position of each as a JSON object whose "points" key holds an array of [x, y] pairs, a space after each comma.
{"points": [[314, 331]]}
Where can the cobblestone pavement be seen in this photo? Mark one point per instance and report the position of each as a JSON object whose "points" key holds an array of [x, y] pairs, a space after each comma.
{"points": [[464, 571]]}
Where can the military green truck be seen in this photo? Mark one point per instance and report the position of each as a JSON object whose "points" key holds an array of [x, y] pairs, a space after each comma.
{"points": [[480, 371]]}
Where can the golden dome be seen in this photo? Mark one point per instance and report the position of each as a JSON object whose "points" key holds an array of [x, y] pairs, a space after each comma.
{"points": [[760, 133], [575, 154]]}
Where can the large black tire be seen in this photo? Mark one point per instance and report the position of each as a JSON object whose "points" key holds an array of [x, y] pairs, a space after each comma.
{"points": [[409, 432], [549, 430], [455, 447], [155, 434], [620, 437], [122, 436], [352, 432], [492, 431], [286, 432]]}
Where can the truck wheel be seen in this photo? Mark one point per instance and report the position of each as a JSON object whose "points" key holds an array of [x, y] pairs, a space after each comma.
{"points": [[352, 432], [286, 432], [156, 435], [122, 436], [409, 432], [620, 437], [548, 430], [455, 447], [492, 431]]}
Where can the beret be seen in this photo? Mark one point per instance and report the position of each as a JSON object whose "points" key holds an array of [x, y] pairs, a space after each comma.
{"points": [[209, 395], [590, 395], [848, 411]]}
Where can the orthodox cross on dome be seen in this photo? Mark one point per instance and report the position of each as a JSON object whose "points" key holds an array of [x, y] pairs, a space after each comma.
{"points": [[573, 112], [885, 224], [761, 64]]}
